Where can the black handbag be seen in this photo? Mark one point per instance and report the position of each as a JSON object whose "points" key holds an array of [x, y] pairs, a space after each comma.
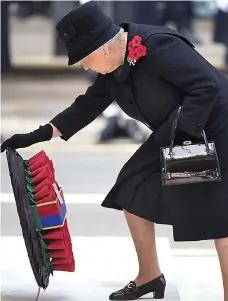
{"points": [[189, 163]]}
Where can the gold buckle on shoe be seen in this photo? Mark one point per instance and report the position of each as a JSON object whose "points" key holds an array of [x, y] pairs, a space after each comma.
{"points": [[130, 285]]}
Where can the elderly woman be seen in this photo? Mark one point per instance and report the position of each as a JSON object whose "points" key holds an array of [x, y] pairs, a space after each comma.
{"points": [[150, 72]]}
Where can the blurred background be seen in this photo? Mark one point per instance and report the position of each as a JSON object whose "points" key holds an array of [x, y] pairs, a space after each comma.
{"points": [[34, 62], [36, 84]]}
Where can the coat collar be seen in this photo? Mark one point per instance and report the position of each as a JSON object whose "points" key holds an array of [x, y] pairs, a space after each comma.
{"points": [[123, 72]]}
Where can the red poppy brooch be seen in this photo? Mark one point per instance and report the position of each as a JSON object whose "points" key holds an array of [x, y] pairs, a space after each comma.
{"points": [[135, 50]]}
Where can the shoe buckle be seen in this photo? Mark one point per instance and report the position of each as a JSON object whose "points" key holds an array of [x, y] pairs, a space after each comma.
{"points": [[130, 285]]}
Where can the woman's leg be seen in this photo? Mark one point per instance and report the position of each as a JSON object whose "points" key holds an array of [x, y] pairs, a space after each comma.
{"points": [[143, 235], [222, 249]]}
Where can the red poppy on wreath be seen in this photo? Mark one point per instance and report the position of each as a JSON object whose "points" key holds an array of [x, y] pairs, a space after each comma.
{"points": [[136, 50]]}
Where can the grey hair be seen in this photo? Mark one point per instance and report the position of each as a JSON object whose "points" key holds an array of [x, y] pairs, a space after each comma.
{"points": [[113, 40]]}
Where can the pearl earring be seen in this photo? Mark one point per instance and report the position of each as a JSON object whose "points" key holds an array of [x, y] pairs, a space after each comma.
{"points": [[106, 55]]}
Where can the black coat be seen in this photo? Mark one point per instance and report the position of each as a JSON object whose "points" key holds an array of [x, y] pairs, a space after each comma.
{"points": [[172, 73]]}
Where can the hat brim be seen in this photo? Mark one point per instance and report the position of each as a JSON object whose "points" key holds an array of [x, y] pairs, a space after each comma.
{"points": [[106, 36]]}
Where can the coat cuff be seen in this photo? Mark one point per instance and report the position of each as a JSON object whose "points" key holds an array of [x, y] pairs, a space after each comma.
{"points": [[66, 132]]}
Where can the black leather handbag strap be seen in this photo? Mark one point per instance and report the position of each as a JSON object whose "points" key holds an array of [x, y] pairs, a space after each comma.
{"points": [[173, 133]]}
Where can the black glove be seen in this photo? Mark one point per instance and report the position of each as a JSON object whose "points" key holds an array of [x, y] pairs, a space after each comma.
{"points": [[43, 133]]}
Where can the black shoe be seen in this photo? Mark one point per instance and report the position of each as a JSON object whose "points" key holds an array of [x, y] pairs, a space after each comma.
{"points": [[133, 292]]}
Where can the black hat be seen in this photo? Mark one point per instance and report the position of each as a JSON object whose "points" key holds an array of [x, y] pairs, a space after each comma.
{"points": [[85, 29]]}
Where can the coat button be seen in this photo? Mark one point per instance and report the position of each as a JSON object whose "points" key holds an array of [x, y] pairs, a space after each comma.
{"points": [[130, 102]]}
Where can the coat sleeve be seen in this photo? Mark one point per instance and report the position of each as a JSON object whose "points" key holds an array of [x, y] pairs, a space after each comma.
{"points": [[84, 110], [172, 59]]}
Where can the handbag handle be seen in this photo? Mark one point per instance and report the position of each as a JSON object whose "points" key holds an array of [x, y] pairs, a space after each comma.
{"points": [[173, 133]]}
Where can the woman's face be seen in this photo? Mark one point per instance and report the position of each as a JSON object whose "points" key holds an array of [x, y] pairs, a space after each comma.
{"points": [[99, 61]]}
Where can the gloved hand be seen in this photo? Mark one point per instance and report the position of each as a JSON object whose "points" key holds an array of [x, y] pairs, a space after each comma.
{"points": [[43, 133]]}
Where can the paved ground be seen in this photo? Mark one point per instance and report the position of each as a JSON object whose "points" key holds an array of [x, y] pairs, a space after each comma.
{"points": [[104, 265], [105, 258]]}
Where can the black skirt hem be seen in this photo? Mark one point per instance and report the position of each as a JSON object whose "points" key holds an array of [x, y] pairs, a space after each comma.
{"points": [[197, 231], [119, 207]]}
